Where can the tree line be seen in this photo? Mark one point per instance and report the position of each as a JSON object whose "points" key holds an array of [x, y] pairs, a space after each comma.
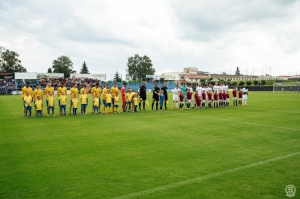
{"points": [[137, 66]]}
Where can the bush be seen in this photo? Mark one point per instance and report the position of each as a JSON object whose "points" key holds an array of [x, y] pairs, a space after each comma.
{"points": [[248, 83], [255, 82], [263, 82], [234, 83], [241, 83]]}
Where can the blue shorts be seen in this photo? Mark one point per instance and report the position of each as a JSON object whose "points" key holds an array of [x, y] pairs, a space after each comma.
{"points": [[108, 104], [95, 107], [74, 109], [128, 103], [63, 106], [117, 105], [83, 105], [50, 107], [71, 103], [104, 102], [28, 108], [39, 111]]}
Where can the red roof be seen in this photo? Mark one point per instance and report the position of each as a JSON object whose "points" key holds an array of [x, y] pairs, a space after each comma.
{"points": [[197, 76]]}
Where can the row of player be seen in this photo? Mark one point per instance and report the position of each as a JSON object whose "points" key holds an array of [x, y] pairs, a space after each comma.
{"points": [[130, 100]]}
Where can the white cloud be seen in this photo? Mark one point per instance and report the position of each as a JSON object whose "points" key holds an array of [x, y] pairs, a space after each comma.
{"points": [[211, 35]]}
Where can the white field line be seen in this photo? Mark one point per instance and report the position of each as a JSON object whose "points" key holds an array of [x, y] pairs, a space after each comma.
{"points": [[202, 178], [252, 123]]}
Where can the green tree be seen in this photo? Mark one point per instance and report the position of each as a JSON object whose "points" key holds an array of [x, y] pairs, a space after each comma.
{"points": [[63, 64], [248, 83], [10, 62], [224, 73], [237, 72], [138, 67], [263, 82], [234, 83], [117, 77], [161, 79], [84, 69], [241, 83], [49, 70], [255, 82]]}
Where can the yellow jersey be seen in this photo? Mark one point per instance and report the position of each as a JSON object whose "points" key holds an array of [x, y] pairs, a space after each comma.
{"points": [[63, 100], [36, 93], [73, 92], [108, 98], [49, 90], [75, 102], [83, 89], [60, 90], [135, 100], [130, 96], [116, 98], [83, 98], [28, 100], [96, 101], [24, 90], [38, 105], [104, 92], [51, 101], [114, 91], [95, 91]]}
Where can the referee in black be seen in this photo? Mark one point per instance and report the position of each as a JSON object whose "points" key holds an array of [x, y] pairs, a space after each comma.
{"points": [[143, 95], [155, 97], [165, 89]]}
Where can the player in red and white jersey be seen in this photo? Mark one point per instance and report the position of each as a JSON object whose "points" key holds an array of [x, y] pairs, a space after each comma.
{"points": [[199, 89], [189, 99], [240, 93], [216, 87], [181, 99], [234, 96], [198, 100], [216, 99], [209, 96], [175, 96], [203, 99], [220, 98], [192, 99], [224, 98]]}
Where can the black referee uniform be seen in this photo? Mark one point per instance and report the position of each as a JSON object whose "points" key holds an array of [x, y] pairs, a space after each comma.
{"points": [[143, 96], [165, 89], [155, 97]]}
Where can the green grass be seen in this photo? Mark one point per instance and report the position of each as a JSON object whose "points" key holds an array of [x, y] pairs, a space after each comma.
{"points": [[107, 156]]}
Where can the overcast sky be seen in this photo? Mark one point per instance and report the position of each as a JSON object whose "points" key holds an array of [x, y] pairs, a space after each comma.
{"points": [[214, 36]]}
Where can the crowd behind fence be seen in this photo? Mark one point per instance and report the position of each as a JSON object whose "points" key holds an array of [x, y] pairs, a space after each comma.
{"points": [[9, 86]]}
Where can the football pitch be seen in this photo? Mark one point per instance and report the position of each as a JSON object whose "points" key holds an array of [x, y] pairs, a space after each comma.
{"points": [[236, 152]]}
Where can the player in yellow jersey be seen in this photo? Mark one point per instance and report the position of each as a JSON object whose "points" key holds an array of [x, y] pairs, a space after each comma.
{"points": [[37, 93], [47, 91], [84, 89], [129, 100], [116, 103], [132, 102], [51, 103], [60, 90], [25, 89], [108, 101], [135, 102], [96, 102], [63, 103], [84, 102], [96, 91], [114, 90], [73, 92], [27, 103], [104, 92], [38, 106], [75, 104]]}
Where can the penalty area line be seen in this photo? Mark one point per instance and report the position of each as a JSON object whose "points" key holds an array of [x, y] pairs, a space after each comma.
{"points": [[205, 177]]}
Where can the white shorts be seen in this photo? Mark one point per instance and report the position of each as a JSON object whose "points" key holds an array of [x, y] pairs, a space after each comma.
{"points": [[175, 97], [189, 101], [209, 101], [234, 98], [240, 98], [245, 97], [227, 99]]}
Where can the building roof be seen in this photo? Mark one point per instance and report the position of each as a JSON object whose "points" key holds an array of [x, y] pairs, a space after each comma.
{"points": [[197, 76]]}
